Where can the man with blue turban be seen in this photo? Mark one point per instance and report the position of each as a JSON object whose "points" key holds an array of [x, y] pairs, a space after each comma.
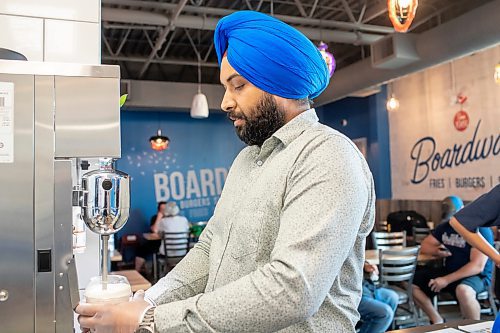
{"points": [[284, 250], [277, 61]]}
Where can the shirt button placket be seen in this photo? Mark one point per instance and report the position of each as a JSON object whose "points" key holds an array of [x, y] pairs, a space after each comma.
{"points": [[259, 163]]}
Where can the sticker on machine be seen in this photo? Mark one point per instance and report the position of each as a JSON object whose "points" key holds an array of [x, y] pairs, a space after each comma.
{"points": [[6, 122]]}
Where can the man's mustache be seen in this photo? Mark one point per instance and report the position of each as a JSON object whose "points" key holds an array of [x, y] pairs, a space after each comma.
{"points": [[234, 116]]}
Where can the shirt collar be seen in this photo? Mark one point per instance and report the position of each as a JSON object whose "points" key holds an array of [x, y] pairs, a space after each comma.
{"points": [[291, 130]]}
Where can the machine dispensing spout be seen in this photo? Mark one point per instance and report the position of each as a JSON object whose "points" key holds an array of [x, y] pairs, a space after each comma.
{"points": [[105, 204]]}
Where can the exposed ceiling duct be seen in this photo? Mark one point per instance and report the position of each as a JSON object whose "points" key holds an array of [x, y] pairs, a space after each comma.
{"points": [[394, 51], [129, 16], [324, 24], [448, 41]]}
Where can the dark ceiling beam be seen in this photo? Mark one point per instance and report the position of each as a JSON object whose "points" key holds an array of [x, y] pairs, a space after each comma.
{"points": [[223, 12], [197, 22], [108, 57]]}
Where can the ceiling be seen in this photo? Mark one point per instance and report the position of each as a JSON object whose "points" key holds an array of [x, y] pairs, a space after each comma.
{"points": [[163, 40]]}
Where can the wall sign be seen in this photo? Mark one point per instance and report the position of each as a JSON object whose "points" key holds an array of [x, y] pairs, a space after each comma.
{"points": [[445, 145]]}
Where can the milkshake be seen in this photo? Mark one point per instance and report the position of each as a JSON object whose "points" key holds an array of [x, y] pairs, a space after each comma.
{"points": [[116, 290]]}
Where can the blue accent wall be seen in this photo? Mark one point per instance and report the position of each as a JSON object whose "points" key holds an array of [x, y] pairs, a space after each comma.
{"points": [[199, 153], [366, 118], [191, 171]]}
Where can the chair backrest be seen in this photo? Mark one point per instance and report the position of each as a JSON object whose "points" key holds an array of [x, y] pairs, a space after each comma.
{"points": [[382, 226], [175, 244], [128, 245], [398, 265], [420, 233], [387, 240]]}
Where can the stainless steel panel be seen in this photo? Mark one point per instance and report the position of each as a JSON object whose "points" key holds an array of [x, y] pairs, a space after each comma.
{"points": [[44, 199], [59, 69], [87, 117], [16, 218], [63, 246]]}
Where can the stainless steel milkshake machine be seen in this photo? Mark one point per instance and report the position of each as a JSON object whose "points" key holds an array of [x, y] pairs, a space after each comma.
{"points": [[59, 134]]}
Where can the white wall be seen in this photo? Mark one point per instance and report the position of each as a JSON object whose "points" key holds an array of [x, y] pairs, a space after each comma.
{"points": [[52, 30], [432, 156]]}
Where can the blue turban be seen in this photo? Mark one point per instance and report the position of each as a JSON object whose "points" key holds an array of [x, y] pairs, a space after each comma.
{"points": [[272, 55]]}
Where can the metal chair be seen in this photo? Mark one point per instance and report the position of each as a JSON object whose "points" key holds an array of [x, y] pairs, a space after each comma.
{"points": [[397, 269], [175, 247], [419, 234], [387, 240], [487, 295]]}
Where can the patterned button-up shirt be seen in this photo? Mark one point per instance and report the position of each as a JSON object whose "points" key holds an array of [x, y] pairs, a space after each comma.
{"points": [[284, 250]]}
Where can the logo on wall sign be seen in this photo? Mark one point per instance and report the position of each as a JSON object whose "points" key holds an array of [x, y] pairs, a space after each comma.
{"points": [[192, 184], [461, 120]]}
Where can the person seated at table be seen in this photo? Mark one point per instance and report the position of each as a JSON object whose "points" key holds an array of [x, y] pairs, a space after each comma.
{"points": [[482, 212], [160, 213], [172, 222], [146, 247], [378, 305], [466, 272]]}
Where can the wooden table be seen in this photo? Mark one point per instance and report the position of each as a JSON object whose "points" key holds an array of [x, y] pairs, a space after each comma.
{"points": [[424, 329], [151, 236], [372, 257], [136, 280]]}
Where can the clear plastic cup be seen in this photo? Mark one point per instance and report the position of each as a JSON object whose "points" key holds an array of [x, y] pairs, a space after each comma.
{"points": [[116, 290]]}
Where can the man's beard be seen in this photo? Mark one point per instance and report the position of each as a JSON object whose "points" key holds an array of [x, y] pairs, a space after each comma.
{"points": [[264, 120]]}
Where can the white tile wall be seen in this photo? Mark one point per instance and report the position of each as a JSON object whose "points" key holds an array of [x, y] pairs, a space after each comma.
{"points": [[75, 10], [70, 41], [23, 35]]}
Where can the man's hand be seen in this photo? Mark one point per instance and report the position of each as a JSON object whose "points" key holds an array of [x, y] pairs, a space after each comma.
{"points": [[438, 283], [369, 268], [106, 318], [442, 252]]}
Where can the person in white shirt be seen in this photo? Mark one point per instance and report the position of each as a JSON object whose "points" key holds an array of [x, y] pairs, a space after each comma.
{"points": [[172, 222]]}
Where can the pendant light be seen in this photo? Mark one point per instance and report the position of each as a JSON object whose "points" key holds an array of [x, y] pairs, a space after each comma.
{"points": [[159, 142], [328, 57], [392, 102], [199, 107], [402, 13]]}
